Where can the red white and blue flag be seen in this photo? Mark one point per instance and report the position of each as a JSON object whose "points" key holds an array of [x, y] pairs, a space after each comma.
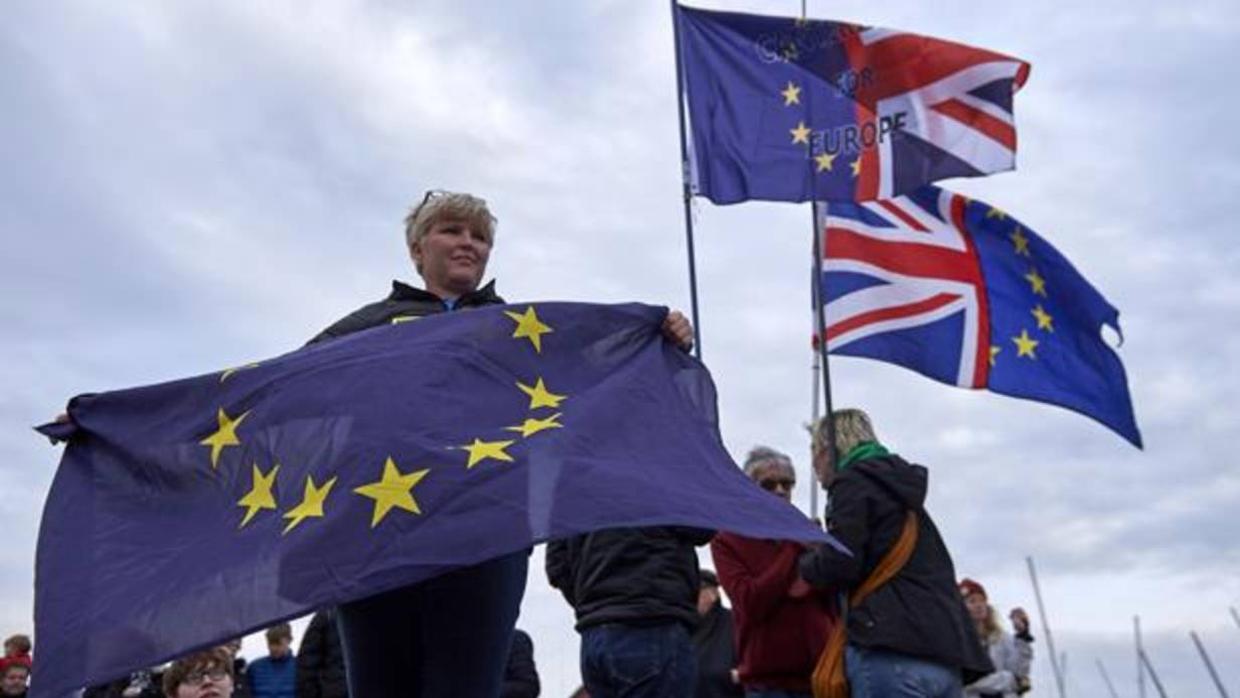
{"points": [[960, 292], [782, 109]]}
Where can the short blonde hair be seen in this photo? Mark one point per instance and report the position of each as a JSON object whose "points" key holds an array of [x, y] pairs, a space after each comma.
{"points": [[852, 427], [440, 205]]}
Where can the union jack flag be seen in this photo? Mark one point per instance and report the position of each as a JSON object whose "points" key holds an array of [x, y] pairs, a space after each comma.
{"points": [[782, 109], [961, 292]]}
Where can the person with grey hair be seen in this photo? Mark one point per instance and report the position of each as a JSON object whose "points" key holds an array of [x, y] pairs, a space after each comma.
{"points": [[448, 635], [907, 631], [781, 623]]}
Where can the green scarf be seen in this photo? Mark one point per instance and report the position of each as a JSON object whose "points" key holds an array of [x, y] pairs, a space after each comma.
{"points": [[862, 451]]}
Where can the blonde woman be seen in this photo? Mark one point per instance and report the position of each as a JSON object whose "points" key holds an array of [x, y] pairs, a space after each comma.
{"points": [[911, 637], [1011, 654]]}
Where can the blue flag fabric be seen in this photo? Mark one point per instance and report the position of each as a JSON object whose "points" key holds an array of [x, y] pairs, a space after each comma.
{"points": [[190, 512], [784, 109], [961, 292]]}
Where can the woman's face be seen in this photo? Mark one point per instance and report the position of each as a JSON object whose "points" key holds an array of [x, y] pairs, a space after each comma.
{"points": [[206, 682], [979, 609]]}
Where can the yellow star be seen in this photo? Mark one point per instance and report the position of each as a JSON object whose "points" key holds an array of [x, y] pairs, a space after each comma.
{"points": [[1020, 241], [225, 435], [229, 371], [1036, 282], [800, 134], [824, 160], [540, 396], [480, 450], [1025, 345], [792, 94], [994, 353], [529, 326], [996, 213], [856, 166], [790, 53], [259, 496], [532, 426], [311, 503], [1044, 319], [392, 490]]}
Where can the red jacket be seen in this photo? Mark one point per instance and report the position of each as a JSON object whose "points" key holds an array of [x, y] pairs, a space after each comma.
{"points": [[781, 623]]}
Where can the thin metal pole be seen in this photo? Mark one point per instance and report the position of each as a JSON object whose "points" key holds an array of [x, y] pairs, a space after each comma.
{"points": [[685, 187], [1153, 674], [814, 414], [1106, 678], [820, 313], [1046, 628], [1201, 649], [1136, 631], [1234, 616]]}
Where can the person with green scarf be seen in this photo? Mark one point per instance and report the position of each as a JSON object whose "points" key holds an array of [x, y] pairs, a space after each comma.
{"points": [[912, 635]]}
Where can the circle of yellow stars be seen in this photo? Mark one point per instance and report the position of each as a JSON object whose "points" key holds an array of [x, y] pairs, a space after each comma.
{"points": [[394, 488]]}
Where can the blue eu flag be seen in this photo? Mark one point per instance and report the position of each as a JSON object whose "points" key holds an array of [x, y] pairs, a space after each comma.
{"points": [[961, 292], [190, 512], [784, 109]]}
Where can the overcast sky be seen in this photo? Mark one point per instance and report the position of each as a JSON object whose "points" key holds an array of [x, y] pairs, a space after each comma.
{"points": [[196, 185]]}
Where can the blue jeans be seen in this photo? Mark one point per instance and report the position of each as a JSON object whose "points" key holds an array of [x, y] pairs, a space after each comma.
{"points": [[631, 661], [874, 673], [446, 636]]}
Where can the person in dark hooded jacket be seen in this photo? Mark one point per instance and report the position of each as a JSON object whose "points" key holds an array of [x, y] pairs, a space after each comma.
{"points": [[320, 659], [914, 626]]}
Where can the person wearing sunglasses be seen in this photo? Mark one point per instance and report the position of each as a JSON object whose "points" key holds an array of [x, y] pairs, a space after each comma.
{"points": [[205, 674], [781, 623], [448, 635]]}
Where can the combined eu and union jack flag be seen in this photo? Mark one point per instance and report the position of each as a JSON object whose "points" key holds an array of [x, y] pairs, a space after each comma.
{"points": [[190, 512], [961, 292], [783, 109]]}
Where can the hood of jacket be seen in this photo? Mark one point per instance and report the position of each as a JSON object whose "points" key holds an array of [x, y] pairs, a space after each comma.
{"points": [[905, 481]]}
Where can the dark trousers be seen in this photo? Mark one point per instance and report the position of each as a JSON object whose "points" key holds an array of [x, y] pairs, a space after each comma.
{"points": [[446, 636], [627, 661]]}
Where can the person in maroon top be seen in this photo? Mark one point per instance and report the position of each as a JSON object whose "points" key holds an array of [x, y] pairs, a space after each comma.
{"points": [[781, 623]]}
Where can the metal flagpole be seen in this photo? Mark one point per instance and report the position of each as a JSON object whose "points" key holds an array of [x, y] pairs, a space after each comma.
{"points": [[1201, 649], [814, 414], [1234, 616], [1046, 628], [820, 314], [686, 189], [1153, 674], [1136, 631], [1106, 678]]}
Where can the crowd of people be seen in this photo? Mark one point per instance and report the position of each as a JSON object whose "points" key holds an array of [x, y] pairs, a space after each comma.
{"points": [[886, 619]]}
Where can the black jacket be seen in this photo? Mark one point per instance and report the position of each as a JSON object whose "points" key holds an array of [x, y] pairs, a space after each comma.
{"points": [[320, 659], [404, 303], [520, 674], [638, 576], [715, 647], [919, 612]]}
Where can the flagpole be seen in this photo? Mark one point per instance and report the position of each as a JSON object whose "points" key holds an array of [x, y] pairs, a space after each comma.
{"points": [[1136, 633], [1201, 649], [686, 190], [1106, 678], [1046, 628], [820, 314], [1145, 659]]}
